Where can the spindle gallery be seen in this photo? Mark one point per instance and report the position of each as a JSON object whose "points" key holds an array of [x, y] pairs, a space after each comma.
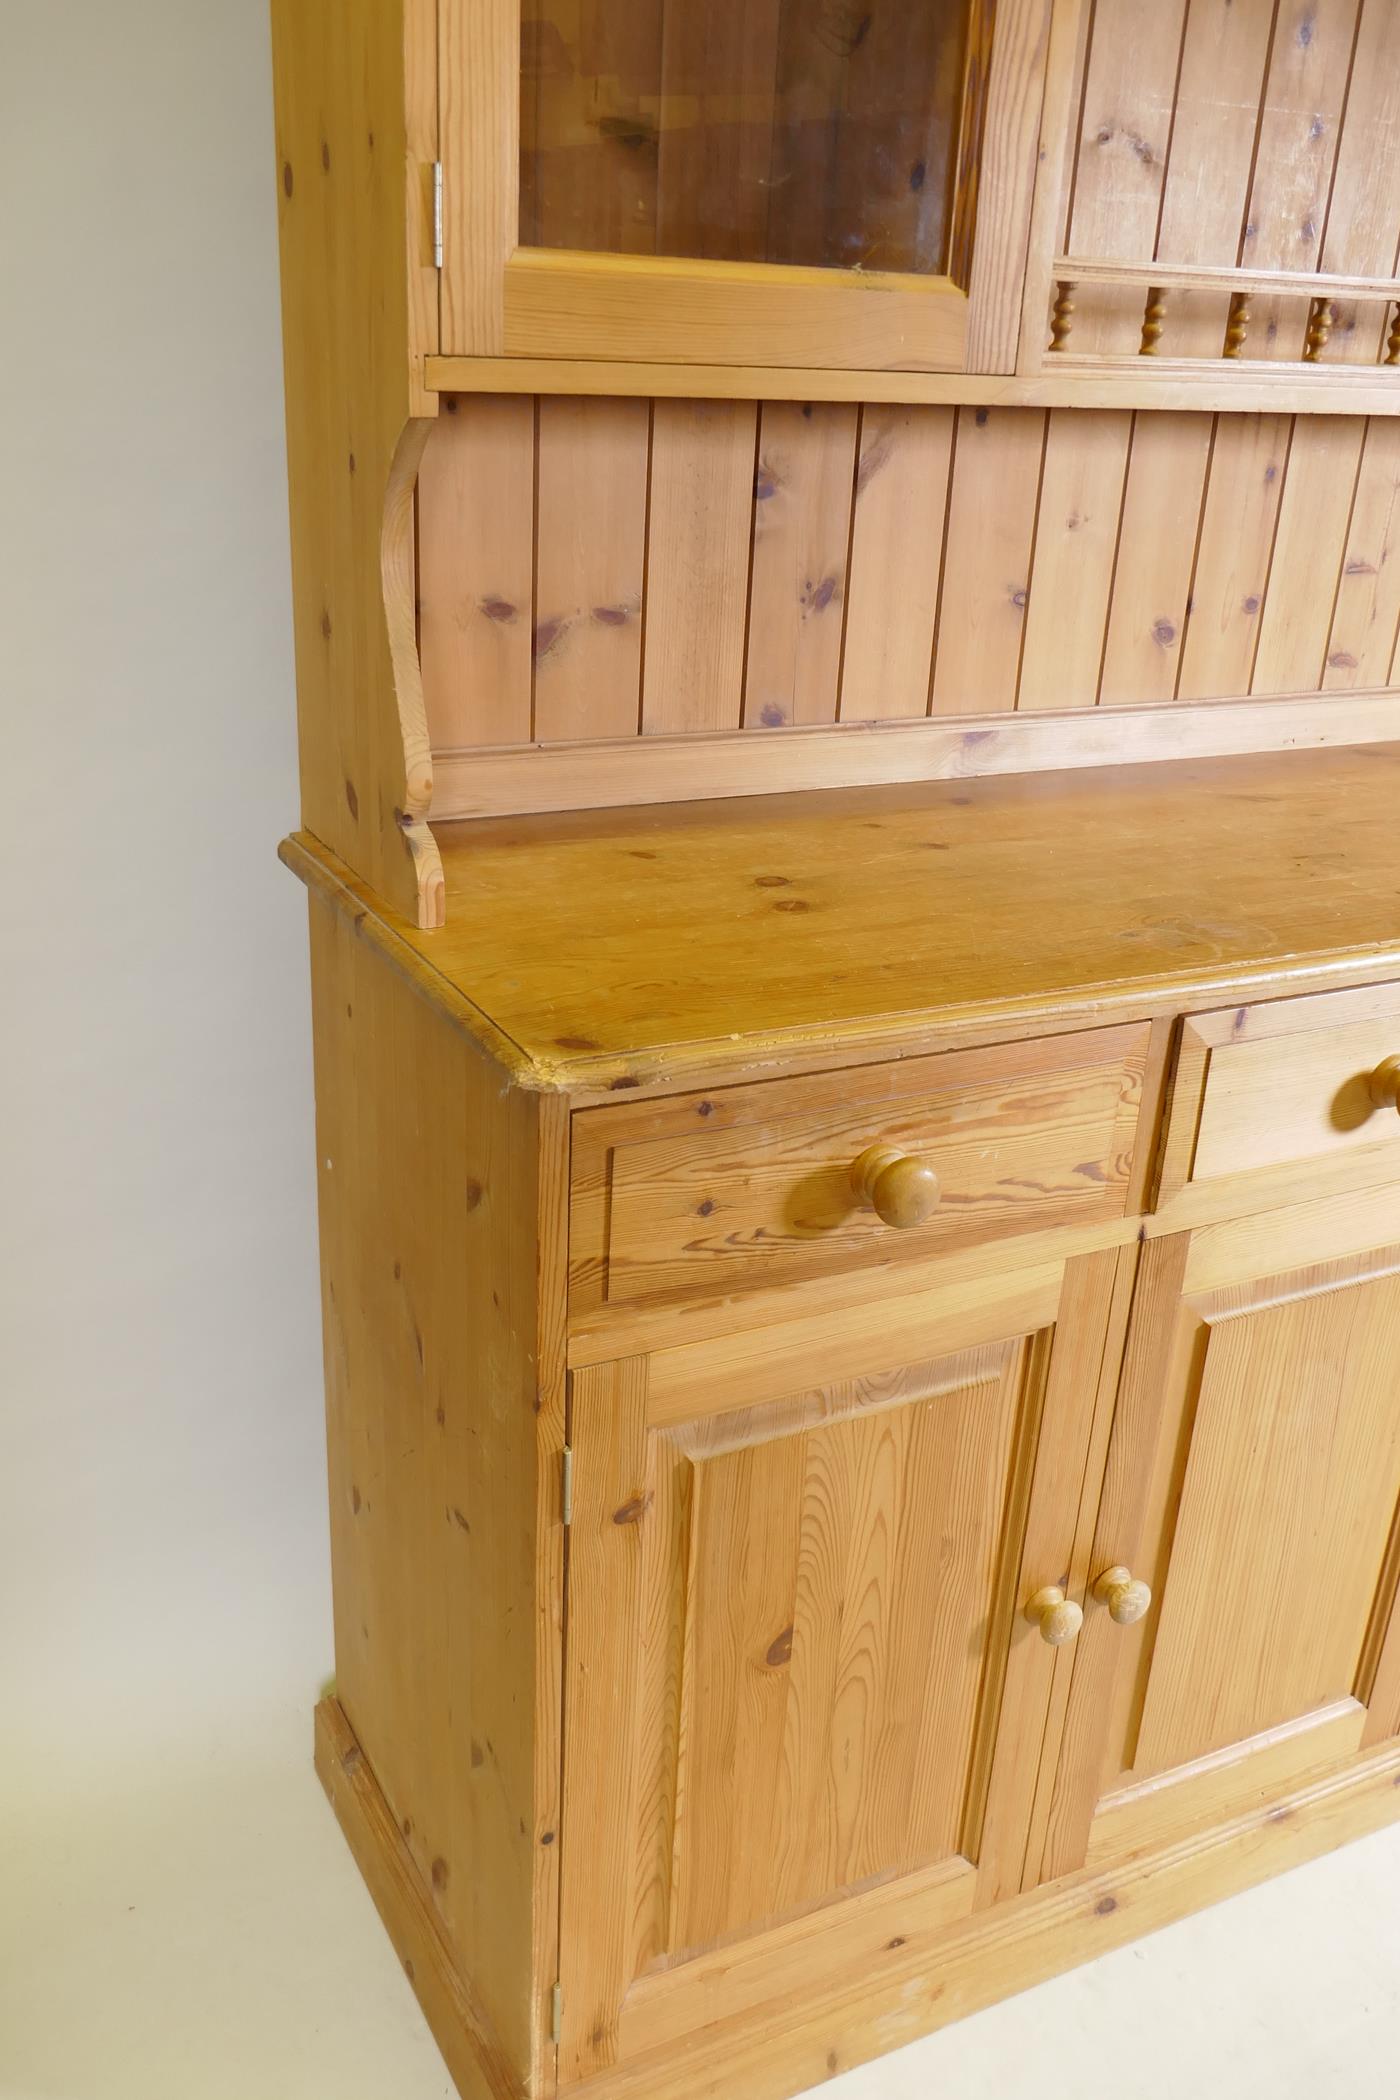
{"points": [[847, 589]]}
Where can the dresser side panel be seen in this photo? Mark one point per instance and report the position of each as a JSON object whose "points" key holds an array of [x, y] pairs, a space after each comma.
{"points": [[444, 1392]]}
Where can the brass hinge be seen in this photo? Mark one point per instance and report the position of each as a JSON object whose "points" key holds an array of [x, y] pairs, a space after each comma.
{"points": [[567, 1491], [556, 2014], [437, 214]]}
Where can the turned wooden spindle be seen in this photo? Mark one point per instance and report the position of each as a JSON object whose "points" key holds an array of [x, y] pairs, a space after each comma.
{"points": [[1385, 1083], [1392, 346], [1127, 1598], [1058, 1619], [900, 1188], [1062, 318], [1319, 328], [1237, 326], [1153, 321]]}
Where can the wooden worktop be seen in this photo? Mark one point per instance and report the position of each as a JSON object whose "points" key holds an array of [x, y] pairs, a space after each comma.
{"points": [[615, 947]]}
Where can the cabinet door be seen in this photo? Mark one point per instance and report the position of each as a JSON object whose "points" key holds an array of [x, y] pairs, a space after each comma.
{"points": [[1252, 1483], [804, 1699], [740, 182]]}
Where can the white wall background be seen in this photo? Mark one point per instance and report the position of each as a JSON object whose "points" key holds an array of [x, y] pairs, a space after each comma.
{"points": [[173, 1896], [178, 1917], [157, 1271]]}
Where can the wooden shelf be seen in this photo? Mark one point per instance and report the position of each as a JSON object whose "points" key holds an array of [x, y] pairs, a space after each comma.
{"points": [[1142, 382], [1202, 277], [616, 947], [604, 772]]}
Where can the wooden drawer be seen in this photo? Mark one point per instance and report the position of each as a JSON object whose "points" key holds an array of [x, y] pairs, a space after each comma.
{"points": [[749, 1186], [1285, 1085]]}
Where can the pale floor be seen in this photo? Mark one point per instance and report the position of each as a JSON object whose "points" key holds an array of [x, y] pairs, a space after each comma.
{"points": [[200, 1934]]}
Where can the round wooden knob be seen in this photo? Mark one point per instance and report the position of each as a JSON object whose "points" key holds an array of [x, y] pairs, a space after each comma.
{"points": [[1058, 1619], [1385, 1083], [901, 1189], [1127, 1599]]}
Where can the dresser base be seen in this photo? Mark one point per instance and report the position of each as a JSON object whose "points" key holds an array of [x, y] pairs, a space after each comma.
{"points": [[767, 2057], [460, 2027]]}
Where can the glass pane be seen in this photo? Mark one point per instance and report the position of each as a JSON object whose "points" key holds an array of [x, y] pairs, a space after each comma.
{"points": [[823, 132]]}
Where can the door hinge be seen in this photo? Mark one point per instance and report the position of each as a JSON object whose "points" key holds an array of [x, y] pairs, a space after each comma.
{"points": [[567, 1487], [556, 2015], [437, 214]]}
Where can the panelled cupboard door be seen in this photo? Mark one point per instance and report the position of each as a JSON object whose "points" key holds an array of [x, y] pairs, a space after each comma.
{"points": [[737, 182], [1252, 1484], [805, 1698]]}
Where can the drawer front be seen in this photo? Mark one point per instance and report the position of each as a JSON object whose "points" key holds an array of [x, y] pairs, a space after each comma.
{"points": [[1287, 1081], [749, 1186]]}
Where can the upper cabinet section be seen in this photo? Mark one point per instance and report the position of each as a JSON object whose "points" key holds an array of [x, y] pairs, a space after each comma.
{"points": [[1064, 202], [824, 184]]}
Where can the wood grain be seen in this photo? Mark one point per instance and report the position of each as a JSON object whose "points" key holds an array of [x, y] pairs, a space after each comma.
{"points": [[356, 328], [1257, 1644], [1320, 1224], [1059, 382], [1124, 137], [479, 101], [445, 1417], [901, 497], [632, 940], [1236, 548], [1076, 545], [775, 1614], [671, 310], [635, 771], [702, 481], [607, 1411], [1150, 1811], [1224, 51], [1367, 611], [1304, 96], [803, 492], [1167, 475], [476, 600], [1264, 1619], [715, 1197], [989, 557], [1314, 519], [1239, 134], [1363, 220], [1020, 98], [460, 2028], [590, 559], [992, 504], [810, 1549], [1295, 1088], [1080, 1375], [812, 1953]]}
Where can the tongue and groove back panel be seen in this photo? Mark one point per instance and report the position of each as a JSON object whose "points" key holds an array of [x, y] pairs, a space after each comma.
{"points": [[606, 569]]}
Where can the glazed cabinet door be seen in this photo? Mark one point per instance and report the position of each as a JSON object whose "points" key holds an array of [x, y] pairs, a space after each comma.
{"points": [[742, 183], [808, 1654], [1252, 1486]]}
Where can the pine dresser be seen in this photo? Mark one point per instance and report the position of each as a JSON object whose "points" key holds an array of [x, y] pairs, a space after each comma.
{"points": [[847, 571]]}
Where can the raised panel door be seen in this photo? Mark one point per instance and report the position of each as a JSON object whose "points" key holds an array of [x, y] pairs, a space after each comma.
{"points": [[804, 1698], [1253, 1483]]}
